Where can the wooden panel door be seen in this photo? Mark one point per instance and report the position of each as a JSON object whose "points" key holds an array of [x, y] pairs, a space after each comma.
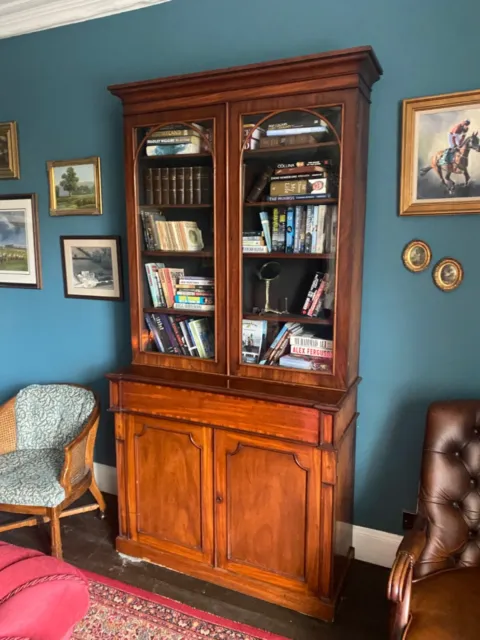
{"points": [[171, 494], [268, 510]]}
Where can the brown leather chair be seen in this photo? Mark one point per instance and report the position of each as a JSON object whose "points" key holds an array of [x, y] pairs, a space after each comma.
{"points": [[435, 580]]}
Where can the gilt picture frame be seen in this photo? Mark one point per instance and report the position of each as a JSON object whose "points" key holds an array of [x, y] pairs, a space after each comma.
{"points": [[20, 263], [448, 274], [75, 187], [440, 166], [9, 154]]}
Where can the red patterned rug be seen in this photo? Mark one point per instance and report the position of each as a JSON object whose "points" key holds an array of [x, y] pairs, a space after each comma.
{"points": [[121, 612]]}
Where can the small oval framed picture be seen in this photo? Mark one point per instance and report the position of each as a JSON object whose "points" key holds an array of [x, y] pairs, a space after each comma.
{"points": [[416, 255], [448, 274]]}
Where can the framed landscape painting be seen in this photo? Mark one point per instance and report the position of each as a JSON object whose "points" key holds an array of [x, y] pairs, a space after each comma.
{"points": [[441, 155], [75, 187], [19, 242], [92, 267], [9, 157]]}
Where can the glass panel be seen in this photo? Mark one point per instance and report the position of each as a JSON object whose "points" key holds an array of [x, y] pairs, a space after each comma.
{"points": [[290, 176], [175, 192]]}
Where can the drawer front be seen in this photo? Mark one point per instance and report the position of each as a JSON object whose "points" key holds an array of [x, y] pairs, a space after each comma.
{"points": [[284, 421]]}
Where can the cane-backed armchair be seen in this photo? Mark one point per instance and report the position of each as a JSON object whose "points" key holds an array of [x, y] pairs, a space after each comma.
{"points": [[47, 437]]}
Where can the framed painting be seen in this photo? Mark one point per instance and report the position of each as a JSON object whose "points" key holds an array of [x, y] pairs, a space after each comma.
{"points": [[441, 155], [92, 267], [19, 242], [9, 157], [75, 187]]}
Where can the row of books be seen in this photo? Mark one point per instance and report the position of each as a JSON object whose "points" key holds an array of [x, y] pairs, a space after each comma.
{"points": [[293, 347], [301, 131], [177, 140], [293, 181], [320, 296], [181, 335], [170, 288], [160, 235], [178, 185], [300, 229]]}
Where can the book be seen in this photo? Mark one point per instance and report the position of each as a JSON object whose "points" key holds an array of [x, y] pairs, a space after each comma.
{"points": [[316, 304], [170, 333], [161, 294], [296, 187], [172, 149], [172, 185], [194, 292], [177, 236], [197, 280], [258, 241], [275, 342], [298, 124], [191, 348], [283, 343], [298, 197], [290, 230], [303, 223], [162, 333], [157, 186], [174, 323], [297, 229], [251, 136], [154, 331], [255, 249], [282, 227], [150, 270], [253, 339], [173, 131], [266, 229], [197, 185], [180, 185], [195, 287], [148, 178], [203, 337], [165, 185], [193, 307], [168, 278], [185, 139], [193, 236], [311, 292], [294, 361], [309, 228], [149, 221], [311, 341], [260, 184], [302, 167], [299, 176], [275, 229], [296, 130], [287, 140], [194, 299], [205, 186], [313, 243], [333, 230], [308, 351], [320, 244], [188, 180]]}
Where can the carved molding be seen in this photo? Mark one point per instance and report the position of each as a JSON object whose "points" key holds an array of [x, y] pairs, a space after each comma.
{"points": [[25, 16]]}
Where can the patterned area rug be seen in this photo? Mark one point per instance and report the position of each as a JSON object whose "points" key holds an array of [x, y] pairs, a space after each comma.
{"points": [[121, 612]]}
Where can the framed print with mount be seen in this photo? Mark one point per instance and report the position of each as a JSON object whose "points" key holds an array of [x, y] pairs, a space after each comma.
{"points": [[9, 156], [19, 242], [440, 172], [75, 187]]}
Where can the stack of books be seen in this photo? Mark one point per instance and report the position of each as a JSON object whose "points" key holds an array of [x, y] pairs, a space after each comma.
{"points": [[300, 229], [160, 235], [309, 352], [181, 335], [301, 131], [171, 289], [319, 294], [178, 185], [280, 343], [175, 140]]}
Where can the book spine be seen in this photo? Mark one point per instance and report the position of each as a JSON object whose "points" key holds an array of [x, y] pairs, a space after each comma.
{"points": [[158, 150], [266, 229], [303, 224], [311, 293], [276, 340], [192, 339], [254, 249], [153, 224], [157, 187], [298, 176], [165, 180], [194, 292], [280, 348], [192, 349], [183, 139], [167, 346], [146, 231], [282, 224], [289, 188], [308, 351], [205, 186], [161, 295], [172, 185], [286, 141], [188, 178], [312, 343], [296, 131], [152, 285], [194, 299], [312, 310], [260, 184], [197, 185], [178, 335], [333, 230], [208, 282], [165, 286], [290, 230], [309, 229], [275, 229], [189, 306], [154, 331], [322, 209], [328, 229], [298, 225], [171, 334], [314, 229], [149, 186], [180, 185], [197, 339], [205, 336], [306, 196]]}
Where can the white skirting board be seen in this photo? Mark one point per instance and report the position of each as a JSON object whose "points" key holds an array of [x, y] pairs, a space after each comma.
{"points": [[371, 545]]}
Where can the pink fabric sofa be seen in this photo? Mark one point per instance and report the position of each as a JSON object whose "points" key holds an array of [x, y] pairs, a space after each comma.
{"points": [[41, 598]]}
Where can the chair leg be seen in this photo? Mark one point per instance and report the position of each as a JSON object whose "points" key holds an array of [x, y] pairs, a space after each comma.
{"points": [[97, 494], [55, 531]]}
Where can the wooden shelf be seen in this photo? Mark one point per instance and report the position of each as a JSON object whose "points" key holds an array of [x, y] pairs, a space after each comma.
{"points": [[178, 254], [282, 149], [179, 312], [154, 207], [290, 203], [284, 317], [291, 256]]}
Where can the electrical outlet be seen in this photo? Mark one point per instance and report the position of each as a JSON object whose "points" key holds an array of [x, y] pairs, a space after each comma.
{"points": [[408, 518]]}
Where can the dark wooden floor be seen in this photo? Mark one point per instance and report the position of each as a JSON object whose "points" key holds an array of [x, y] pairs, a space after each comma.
{"points": [[89, 544]]}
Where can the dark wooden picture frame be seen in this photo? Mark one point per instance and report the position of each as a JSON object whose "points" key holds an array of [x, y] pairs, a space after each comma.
{"points": [[114, 265], [32, 240]]}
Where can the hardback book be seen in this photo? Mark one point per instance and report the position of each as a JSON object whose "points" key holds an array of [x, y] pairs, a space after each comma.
{"points": [[294, 361], [311, 341], [189, 148], [302, 167], [174, 131], [188, 180], [296, 129], [275, 229], [264, 219], [302, 123], [260, 184], [165, 181], [170, 333], [298, 198], [287, 140], [254, 241], [305, 175], [282, 227], [180, 185], [204, 337], [297, 187], [290, 230], [254, 333], [188, 306], [195, 299], [186, 139], [284, 343], [172, 185], [197, 185], [157, 186], [196, 280], [148, 177], [162, 333], [191, 347], [205, 186], [314, 353], [320, 244], [254, 249]]}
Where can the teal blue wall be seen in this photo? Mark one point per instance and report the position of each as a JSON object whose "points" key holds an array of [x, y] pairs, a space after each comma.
{"points": [[418, 344]]}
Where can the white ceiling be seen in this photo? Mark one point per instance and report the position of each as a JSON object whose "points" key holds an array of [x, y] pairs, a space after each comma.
{"points": [[25, 16]]}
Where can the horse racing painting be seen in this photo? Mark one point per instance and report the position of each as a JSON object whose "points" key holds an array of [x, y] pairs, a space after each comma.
{"points": [[19, 242], [441, 155]]}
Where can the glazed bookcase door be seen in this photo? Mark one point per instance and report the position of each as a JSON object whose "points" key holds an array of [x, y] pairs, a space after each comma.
{"points": [[288, 284], [178, 217]]}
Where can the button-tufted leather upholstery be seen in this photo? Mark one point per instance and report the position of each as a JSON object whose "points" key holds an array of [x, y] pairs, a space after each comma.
{"points": [[435, 580], [449, 491]]}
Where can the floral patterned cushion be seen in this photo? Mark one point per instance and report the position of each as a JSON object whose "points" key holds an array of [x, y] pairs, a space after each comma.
{"points": [[31, 478], [52, 415]]}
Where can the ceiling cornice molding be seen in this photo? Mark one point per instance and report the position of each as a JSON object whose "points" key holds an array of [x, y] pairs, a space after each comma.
{"points": [[26, 16]]}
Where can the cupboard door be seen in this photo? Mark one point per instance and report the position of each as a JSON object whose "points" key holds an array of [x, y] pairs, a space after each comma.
{"points": [[268, 510], [171, 506]]}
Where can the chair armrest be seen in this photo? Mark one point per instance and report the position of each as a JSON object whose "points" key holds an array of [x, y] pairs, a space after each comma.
{"points": [[8, 427], [78, 462], [400, 582]]}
